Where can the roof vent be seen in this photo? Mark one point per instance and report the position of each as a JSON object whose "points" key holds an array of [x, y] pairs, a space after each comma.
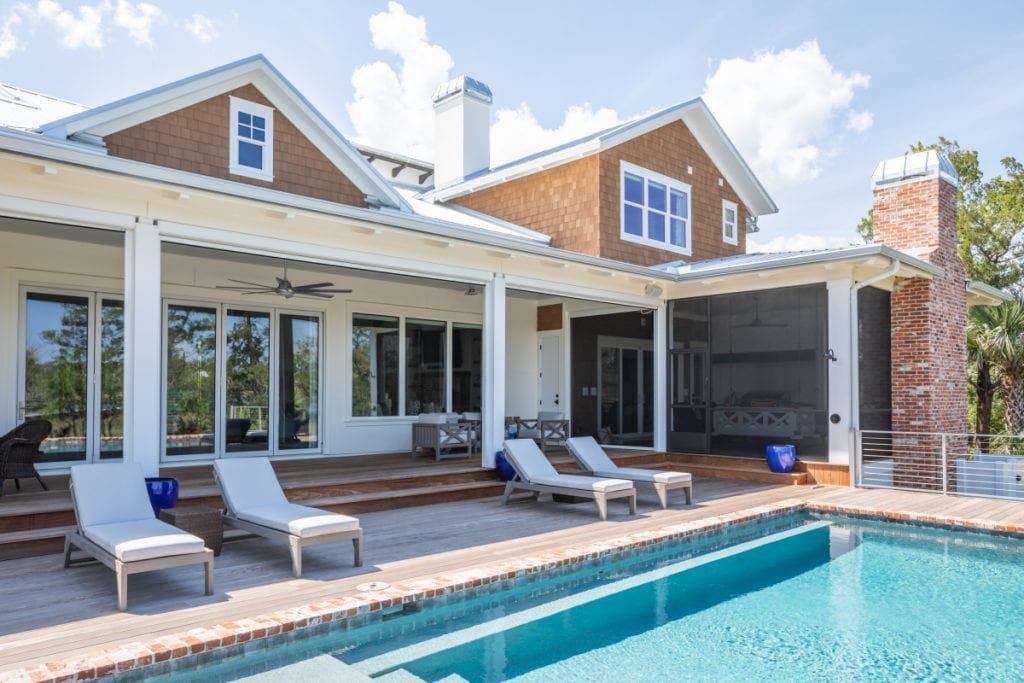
{"points": [[915, 166]]}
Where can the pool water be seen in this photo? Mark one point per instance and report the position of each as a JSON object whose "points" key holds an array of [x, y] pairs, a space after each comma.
{"points": [[810, 600]]}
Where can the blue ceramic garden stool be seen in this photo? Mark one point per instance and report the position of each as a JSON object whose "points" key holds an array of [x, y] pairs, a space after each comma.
{"points": [[780, 457], [163, 493]]}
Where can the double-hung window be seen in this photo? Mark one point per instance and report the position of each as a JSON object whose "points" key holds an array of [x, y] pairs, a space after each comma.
{"points": [[729, 213], [252, 139], [655, 210]]}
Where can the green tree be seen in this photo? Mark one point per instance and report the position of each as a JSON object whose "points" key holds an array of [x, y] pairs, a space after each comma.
{"points": [[990, 217], [1002, 340]]}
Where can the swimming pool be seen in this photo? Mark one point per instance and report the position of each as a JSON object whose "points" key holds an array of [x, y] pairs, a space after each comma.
{"points": [[793, 598]]}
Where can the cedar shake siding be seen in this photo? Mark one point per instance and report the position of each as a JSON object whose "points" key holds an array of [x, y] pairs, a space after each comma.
{"points": [[579, 203], [195, 139], [669, 150], [560, 202]]}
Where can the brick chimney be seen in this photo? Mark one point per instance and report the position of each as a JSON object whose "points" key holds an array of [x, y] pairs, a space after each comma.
{"points": [[462, 130], [915, 212]]}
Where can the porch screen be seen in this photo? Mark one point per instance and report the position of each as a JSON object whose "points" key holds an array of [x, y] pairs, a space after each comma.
{"points": [[374, 365]]}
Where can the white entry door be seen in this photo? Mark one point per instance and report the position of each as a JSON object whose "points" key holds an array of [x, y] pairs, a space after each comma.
{"points": [[551, 373]]}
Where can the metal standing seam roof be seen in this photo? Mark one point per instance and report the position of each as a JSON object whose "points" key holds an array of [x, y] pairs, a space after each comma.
{"points": [[702, 124]]}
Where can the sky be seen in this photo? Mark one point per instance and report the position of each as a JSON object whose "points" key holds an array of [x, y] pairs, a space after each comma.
{"points": [[813, 94]]}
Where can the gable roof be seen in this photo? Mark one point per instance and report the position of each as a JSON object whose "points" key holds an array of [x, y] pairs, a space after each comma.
{"points": [[93, 124], [694, 113]]}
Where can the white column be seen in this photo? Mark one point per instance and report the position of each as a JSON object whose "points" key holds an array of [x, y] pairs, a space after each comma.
{"points": [[840, 372], [493, 426], [142, 345], [660, 393]]}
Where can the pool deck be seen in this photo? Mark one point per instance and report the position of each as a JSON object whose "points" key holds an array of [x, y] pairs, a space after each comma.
{"points": [[68, 618]]}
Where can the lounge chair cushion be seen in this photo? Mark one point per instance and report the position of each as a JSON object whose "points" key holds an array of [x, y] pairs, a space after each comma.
{"points": [[94, 503], [248, 483], [590, 454], [640, 474], [529, 461], [143, 539], [299, 520], [576, 481]]}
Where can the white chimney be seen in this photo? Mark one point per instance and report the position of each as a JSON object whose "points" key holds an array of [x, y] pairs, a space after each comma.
{"points": [[462, 130]]}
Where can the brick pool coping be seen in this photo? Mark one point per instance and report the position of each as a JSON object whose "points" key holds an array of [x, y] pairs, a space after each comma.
{"points": [[132, 656]]}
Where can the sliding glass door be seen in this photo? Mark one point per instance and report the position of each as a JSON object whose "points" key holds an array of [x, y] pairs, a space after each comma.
{"points": [[71, 372], [298, 385], [240, 381], [626, 388]]}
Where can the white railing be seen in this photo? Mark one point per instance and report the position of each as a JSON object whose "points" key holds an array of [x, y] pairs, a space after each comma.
{"points": [[988, 465]]}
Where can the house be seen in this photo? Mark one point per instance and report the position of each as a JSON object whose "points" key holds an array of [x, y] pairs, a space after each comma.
{"points": [[154, 253]]}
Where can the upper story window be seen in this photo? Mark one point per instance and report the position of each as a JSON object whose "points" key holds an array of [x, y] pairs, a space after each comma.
{"points": [[252, 139], [655, 209], [730, 212]]}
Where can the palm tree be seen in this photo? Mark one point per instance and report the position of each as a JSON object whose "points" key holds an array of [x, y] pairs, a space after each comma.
{"points": [[1002, 342], [980, 370]]}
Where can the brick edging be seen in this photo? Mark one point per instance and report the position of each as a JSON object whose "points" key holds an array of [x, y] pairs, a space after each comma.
{"points": [[139, 654]]}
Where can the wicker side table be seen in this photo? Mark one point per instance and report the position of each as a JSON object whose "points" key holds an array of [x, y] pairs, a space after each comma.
{"points": [[202, 521]]}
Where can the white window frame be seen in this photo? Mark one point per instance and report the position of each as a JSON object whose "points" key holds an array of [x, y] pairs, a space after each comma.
{"points": [[670, 184], [726, 206], [239, 105], [450, 318], [220, 446]]}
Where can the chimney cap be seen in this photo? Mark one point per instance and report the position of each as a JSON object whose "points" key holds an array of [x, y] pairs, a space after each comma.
{"points": [[463, 84], [915, 166]]}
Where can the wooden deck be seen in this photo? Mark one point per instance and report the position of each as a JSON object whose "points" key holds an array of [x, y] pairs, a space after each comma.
{"points": [[52, 614]]}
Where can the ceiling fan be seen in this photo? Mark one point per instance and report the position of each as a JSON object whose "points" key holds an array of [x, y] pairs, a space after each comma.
{"points": [[757, 322], [284, 287]]}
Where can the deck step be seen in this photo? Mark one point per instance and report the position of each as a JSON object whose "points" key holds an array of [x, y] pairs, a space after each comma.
{"points": [[742, 473]]}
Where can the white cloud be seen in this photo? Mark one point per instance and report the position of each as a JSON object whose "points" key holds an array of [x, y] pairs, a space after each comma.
{"points": [[9, 40], [201, 27], [781, 109], [83, 30], [859, 121], [796, 242], [137, 20], [392, 108], [517, 133]]}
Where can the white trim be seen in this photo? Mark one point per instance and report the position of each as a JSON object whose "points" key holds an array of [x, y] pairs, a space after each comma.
{"points": [[240, 106], [670, 184], [727, 206]]}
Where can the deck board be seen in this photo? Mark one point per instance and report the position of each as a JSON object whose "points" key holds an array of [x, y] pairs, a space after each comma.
{"points": [[55, 614]]}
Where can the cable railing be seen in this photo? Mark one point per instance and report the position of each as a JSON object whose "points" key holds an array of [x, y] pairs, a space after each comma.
{"points": [[987, 465]]}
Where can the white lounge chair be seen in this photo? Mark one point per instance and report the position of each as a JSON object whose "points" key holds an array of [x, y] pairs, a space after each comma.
{"points": [[116, 526], [592, 458], [255, 503], [534, 472]]}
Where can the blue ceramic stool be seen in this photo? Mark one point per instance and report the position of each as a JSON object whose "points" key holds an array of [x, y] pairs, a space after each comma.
{"points": [[163, 493]]}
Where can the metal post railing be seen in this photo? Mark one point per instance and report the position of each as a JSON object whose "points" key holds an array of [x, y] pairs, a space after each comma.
{"points": [[945, 470]]}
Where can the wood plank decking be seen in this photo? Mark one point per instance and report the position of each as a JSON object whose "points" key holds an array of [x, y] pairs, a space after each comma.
{"points": [[55, 614]]}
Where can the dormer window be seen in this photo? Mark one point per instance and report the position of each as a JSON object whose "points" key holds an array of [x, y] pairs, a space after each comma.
{"points": [[655, 210], [252, 140], [730, 211]]}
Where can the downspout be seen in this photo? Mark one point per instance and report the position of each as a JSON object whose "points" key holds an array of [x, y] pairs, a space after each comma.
{"points": [[855, 362]]}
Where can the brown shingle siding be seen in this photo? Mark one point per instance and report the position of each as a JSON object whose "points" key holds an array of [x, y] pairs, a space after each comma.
{"points": [[195, 139], [578, 203]]}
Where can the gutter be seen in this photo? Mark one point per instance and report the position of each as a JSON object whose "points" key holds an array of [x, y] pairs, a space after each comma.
{"points": [[893, 268]]}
